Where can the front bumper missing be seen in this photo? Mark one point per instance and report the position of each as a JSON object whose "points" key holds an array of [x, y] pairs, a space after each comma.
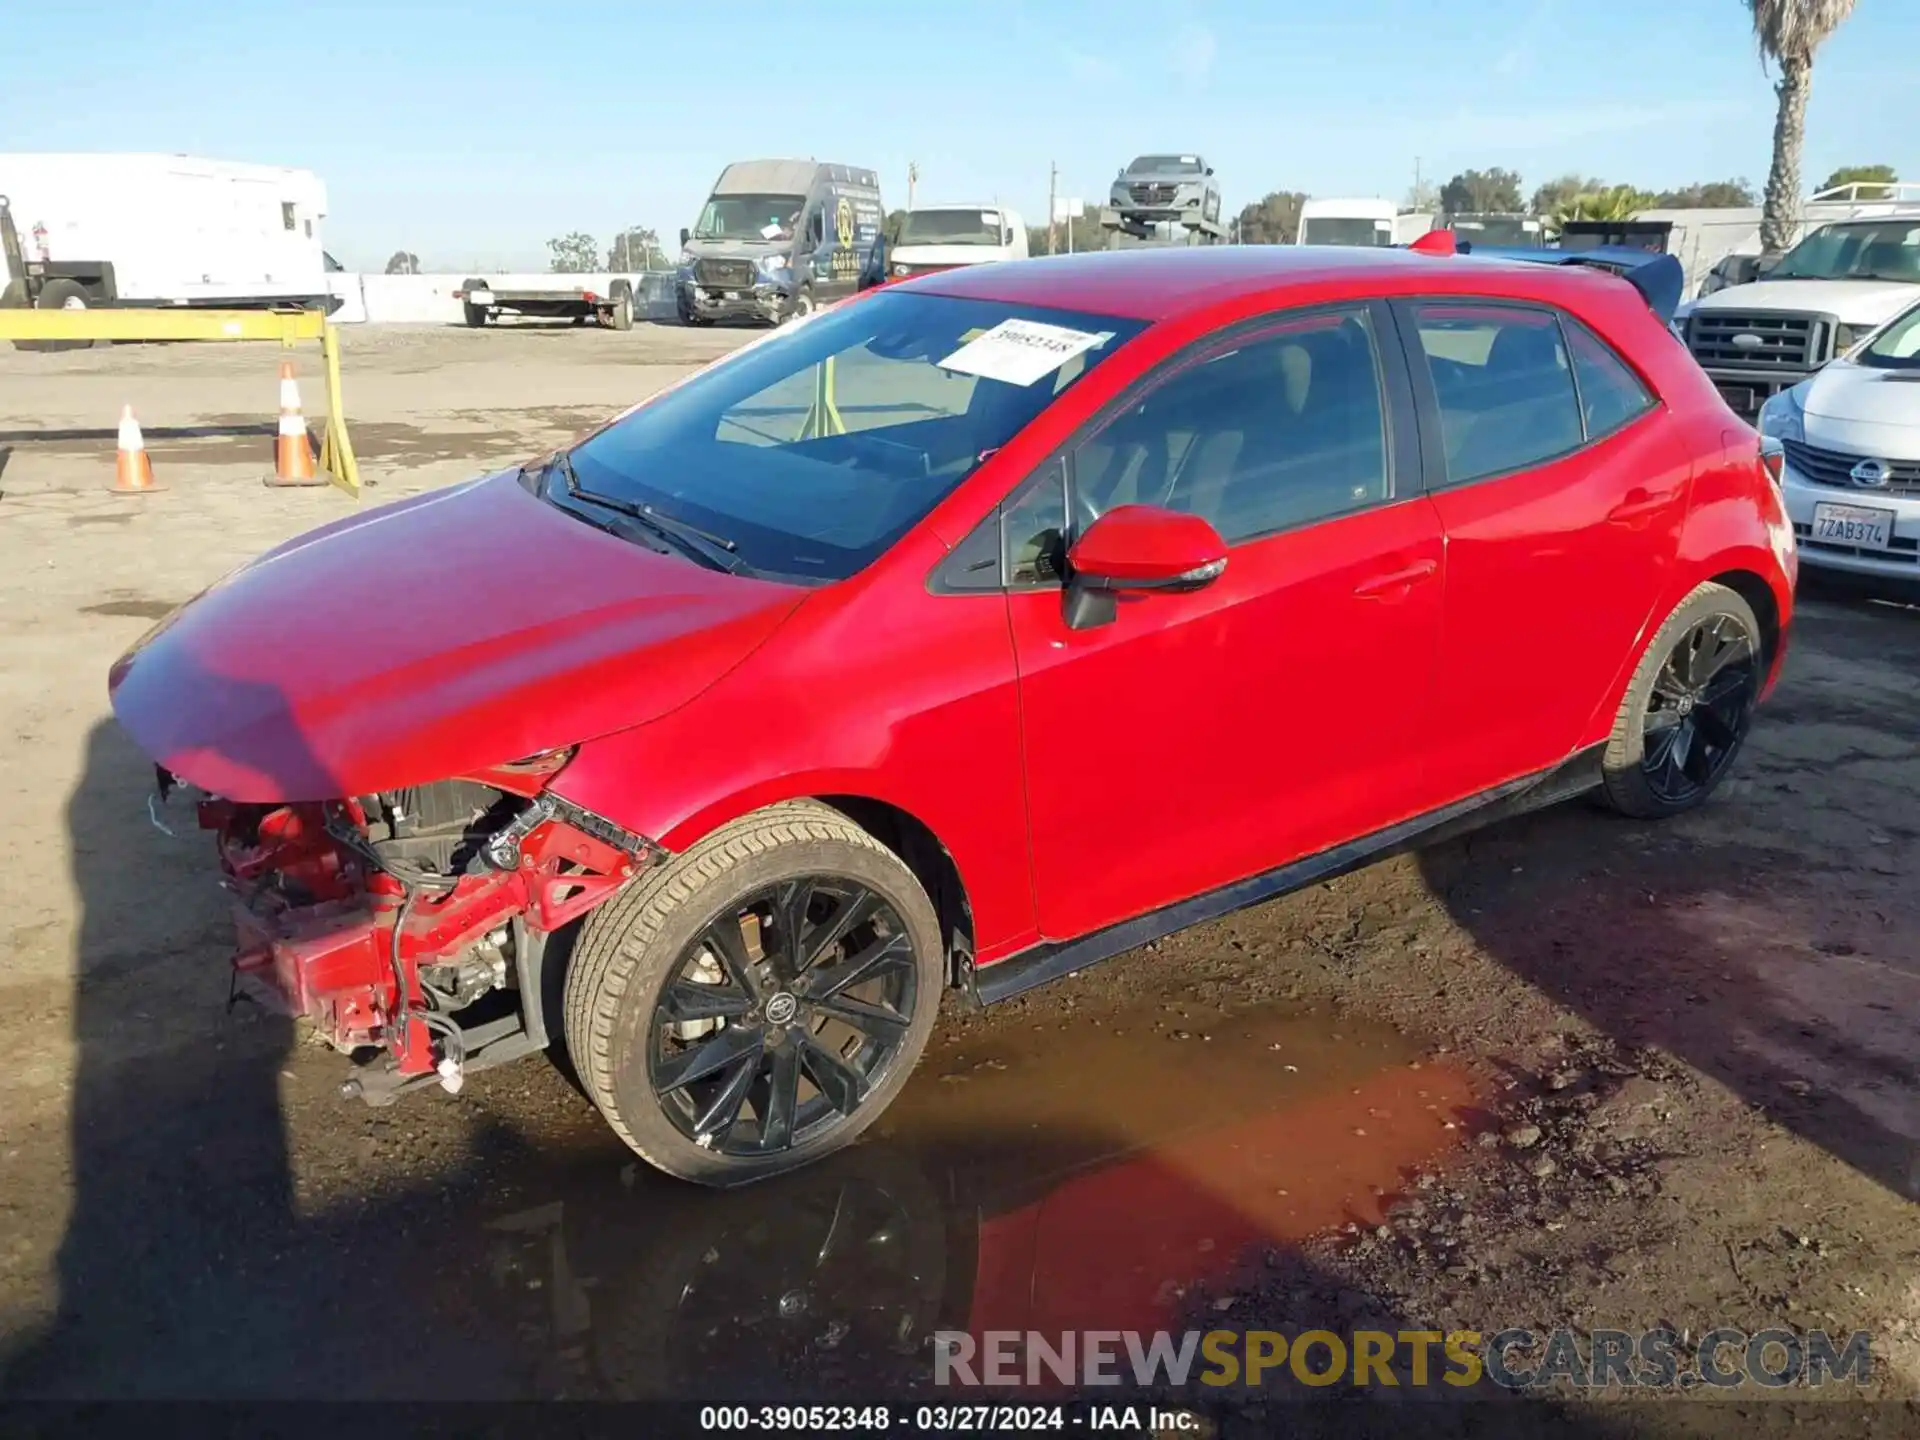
{"points": [[325, 935]]}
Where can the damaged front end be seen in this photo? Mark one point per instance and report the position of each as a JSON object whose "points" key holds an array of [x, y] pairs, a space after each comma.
{"points": [[412, 927]]}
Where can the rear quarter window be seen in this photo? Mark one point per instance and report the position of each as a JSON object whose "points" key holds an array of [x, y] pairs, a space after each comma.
{"points": [[1611, 395]]}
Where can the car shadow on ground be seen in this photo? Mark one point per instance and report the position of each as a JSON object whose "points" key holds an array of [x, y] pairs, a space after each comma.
{"points": [[1771, 941]]}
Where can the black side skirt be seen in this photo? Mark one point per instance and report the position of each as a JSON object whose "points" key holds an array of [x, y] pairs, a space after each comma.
{"points": [[1050, 960]]}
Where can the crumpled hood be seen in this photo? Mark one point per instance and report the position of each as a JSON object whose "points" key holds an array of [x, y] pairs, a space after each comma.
{"points": [[1863, 410], [416, 642]]}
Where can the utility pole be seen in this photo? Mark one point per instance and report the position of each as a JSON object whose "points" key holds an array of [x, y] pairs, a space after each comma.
{"points": [[1053, 188], [913, 175]]}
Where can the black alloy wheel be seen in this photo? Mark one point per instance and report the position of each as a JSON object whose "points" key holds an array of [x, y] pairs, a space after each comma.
{"points": [[1701, 704], [782, 1016]]}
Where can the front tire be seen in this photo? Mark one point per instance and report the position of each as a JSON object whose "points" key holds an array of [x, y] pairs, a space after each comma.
{"points": [[754, 1004], [803, 306], [1687, 709]]}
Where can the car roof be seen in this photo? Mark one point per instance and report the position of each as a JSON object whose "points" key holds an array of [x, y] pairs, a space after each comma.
{"points": [[1164, 284]]}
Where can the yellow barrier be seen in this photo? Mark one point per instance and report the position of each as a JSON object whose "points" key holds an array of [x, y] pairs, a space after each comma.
{"points": [[823, 415], [181, 323]]}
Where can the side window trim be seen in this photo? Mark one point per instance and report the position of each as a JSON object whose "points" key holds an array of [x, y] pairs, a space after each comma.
{"points": [[1573, 374], [1432, 435]]}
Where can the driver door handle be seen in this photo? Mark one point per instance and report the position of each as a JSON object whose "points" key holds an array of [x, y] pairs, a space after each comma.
{"points": [[1381, 586]]}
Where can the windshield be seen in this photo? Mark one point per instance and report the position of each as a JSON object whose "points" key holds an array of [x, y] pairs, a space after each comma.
{"points": [[816, 448], [749, 217], [1499, 230], [1167, 165], [1897, 347], [1855, 250], [950, 227], [1344, 230]]}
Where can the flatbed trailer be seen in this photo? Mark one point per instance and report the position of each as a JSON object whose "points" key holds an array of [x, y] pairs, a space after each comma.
{"points": [[606, 301]]}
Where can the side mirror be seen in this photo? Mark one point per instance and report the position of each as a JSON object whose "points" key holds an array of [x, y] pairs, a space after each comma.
{"points": [[685, 235], [1138, 548]]}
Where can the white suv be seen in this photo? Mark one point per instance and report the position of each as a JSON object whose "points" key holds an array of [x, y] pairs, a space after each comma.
{"points": [[1851, 434]]}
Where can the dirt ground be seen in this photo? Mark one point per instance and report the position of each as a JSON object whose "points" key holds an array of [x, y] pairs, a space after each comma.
{"points": [[1568, 1072]]}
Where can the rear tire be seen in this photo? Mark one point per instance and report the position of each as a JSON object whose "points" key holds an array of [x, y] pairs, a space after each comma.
{"points": [[620, 313], [674, 952], [476, 315], [1687, 709]]}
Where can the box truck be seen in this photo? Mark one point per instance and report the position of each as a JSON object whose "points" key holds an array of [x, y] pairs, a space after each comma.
{"points": [[86, 230]]}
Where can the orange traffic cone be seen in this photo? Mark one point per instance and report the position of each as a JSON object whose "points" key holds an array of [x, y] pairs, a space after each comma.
{"points": [[132, 470], [292, 452]]}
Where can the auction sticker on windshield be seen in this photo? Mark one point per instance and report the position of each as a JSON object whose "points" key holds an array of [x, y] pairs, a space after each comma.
{"points": [[1019, 352]]}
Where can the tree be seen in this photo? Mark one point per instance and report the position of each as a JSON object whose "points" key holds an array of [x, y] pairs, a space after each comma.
{"points": [[1711, 195], [1273, 219], [636, 248], [403, 262], [1555, 194], [575, 254], [1423, 198], [1788, 33], [1613, 202], [895, 219], [1482, 192], [1861, 175]]}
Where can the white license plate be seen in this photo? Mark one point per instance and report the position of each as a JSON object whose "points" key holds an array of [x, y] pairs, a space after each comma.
{"points": [[1853, 525], [480, 297]]}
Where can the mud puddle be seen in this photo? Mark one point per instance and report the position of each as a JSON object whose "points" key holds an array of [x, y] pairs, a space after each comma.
{"points": [[1108, 1177]]}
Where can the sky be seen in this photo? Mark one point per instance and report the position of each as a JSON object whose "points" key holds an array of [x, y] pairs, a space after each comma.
{"points": [[470, 134]]}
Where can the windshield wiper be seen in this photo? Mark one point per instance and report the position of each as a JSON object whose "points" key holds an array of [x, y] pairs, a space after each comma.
{"points": [[715, 550]]}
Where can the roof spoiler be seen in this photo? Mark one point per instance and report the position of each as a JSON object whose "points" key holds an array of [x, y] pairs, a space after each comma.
{"points": [[1660, 278]]}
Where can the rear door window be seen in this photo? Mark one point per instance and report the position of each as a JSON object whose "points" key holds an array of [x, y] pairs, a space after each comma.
{"points": [[1504, 384]]}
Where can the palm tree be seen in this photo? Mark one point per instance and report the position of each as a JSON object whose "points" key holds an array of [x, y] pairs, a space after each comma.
{"points": [[1616, 202], [1789, 31]]}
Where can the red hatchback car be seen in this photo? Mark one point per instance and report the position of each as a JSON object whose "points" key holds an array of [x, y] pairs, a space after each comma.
{"points": [[980, 628]]}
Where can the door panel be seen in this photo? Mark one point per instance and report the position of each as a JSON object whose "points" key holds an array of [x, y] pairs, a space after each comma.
{"points": [[1208, 736], [1205, 736], [1554, 566]]}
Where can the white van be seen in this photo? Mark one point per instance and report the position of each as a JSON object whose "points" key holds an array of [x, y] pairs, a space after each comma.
{"points": [[1370, 222], [943, 237]]}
